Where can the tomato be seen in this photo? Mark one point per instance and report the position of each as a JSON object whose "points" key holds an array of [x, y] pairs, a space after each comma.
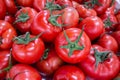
{"points": [[70, 17], [69, 72], [7, 33], [72, 45], [47, 23], [100, 6], [83, 12], [25, 3], [23, 72], [49, 63], [2, 9], [24, 18], [108, 42], [92, 26], [100, 64], [116, 36], [64, 3], [11, 7], [9, 18], [4, 60], [46, 4], [27, 49]]}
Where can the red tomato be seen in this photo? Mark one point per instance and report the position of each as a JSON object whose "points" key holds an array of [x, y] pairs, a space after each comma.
{"points": [[101, 64], [70, 17], [64, 3], [27, 48], [7, 33], [2, 9], [11, 7], [72, 45], [116, 36], [69, 72], [25, 3], [24, 18], [49, 63], [44, 22], [100, 6], [93, 26], [83, 12], [23, 72], [9, 18], [108, 42], [4, 60]]}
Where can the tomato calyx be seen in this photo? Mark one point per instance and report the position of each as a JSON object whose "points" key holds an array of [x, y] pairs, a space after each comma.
{"points": [[53, 20], [46, 52], [25, 39], [118, 78], [23, 17], [108, 22], [72, 46], [101, 56], [51, 6], [92, 3]]}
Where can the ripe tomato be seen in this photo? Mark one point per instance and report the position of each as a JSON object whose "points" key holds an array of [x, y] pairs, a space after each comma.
{"points": [[72, 45], [11, 7], [70, 17], [23, 72], [116, 36], [27, 48], [100, 64], [49, 63], [69, 72], [64, 3], [83, 12], [24, 18], [9, 18], [93, 26], [25, 3], [44, 22], [108, 42], [2, 9], [4, 60], [7, 33]]}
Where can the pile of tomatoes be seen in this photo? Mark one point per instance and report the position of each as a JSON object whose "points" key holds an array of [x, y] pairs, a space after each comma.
{"points": [[59, 40]]}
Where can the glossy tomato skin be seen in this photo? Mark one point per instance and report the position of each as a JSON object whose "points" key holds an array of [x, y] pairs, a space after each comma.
{"points": [[105, 70], [11, 7], [25, 3], [2, 9], [83, 12], [49, 64], [28, 53], [41, 24], [23, 72], [116, 36], [93, 26], [70, 17], [64, 3], [77, 55], [4, 60], [69, 72], [7, 33], [24, 26], [9, 18], [108, 42]]}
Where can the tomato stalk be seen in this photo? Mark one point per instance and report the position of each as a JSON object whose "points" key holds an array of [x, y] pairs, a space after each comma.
{"points": [[72, 46], [100, 56], [26, 39], [51, 6], [23, 17], [45, 55]]}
